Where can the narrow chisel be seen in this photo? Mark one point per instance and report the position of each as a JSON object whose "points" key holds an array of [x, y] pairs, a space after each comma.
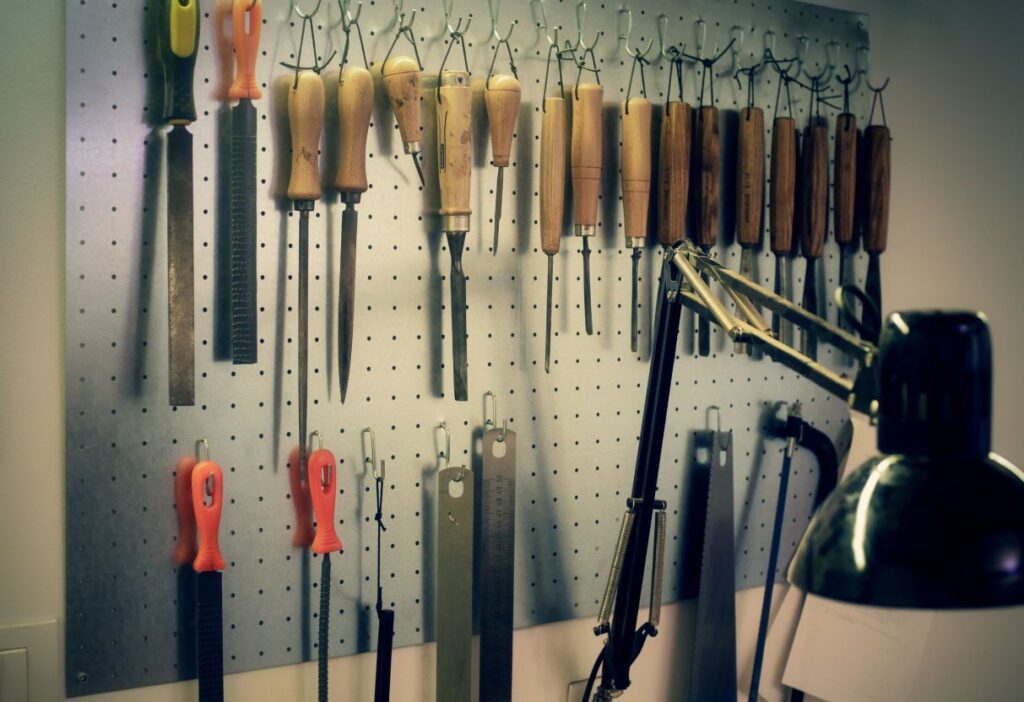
{"points": [[502, 99], [707, 158], [322, 478], [844, 189], [587, 142], [636, 192], [673, 173], [355, 105], [207, 501], [878, 155], [552, 198], [246, 21], [455, 162], [782, 206], [401, 75], [179, 62], [814, 219], [749, 193]]}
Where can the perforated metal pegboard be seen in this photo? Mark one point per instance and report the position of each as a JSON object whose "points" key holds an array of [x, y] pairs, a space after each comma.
{"points": [[578, 426]]}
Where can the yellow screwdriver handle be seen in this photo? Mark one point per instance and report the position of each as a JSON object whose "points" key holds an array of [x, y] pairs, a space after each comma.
{"points": [[636, 168], [552, 174], [355, 105], [306, 119], [401, 76], [455, 150], [502, 99]]}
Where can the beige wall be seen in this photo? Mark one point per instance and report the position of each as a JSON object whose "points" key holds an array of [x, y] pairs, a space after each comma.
{"points": [[958, 192]]}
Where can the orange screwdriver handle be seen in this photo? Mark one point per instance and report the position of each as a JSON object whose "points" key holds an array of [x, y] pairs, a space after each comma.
{"points": [[323, 481], [844, 189], [208, 483], [246, 23], [303, 535], [707, 156], [185, 550], [815, 191], [673, 173]]}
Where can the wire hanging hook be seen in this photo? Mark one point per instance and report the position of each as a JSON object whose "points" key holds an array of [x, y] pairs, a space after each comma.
{"points": [[445, 454], [738, 35], [315, 434], [624, 36], [500, 41], [493, 8], [404, 30], [491, 415], [298, 10], [581, 16], [456, 36], [202, 450], [370, 458], [446, 8], [347, 23], [307, 22], [543, 23]]}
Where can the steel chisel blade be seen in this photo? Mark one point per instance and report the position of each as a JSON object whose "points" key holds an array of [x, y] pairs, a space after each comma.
{"points": [[243, 233], [456, 241], [180, 270], [347, 293]]}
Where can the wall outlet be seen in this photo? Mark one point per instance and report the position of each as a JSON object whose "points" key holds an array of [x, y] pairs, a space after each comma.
{"points": [[33, 657], [576, 688]]}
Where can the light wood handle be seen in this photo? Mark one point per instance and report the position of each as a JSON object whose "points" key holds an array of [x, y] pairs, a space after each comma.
{"points": [[636, 166], [878, 152], [844, 187], [401, 75], [750, 177], [502, 98], [246, 48], [707, 159], [455, 146], [552, 174], [673, 173], [783, 187], [587, 142], [355, 105], [814, 185], [306, 119]]}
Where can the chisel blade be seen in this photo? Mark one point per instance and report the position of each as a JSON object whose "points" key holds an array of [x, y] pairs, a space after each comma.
{"points": [[634, 320], [347, 293], [456, 242], [809, 342], [180, 270], [588, 315], [497, 208], [304, 207], [243, 233], [547, 316]]}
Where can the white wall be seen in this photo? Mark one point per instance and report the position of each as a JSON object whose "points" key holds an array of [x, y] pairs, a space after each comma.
{"points": [[958, 195]]}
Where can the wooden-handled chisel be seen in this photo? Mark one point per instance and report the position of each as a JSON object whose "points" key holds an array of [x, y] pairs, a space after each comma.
{"points": [[502, 98], [749, 192], [587, 142], [246, 23], [305, 118], [844, 188], [207, 502], [878, 161], [636, 191], [401, 75], [355, 105], [179, 63], [322, 479], [552, 198], [782, 199], [707, 167], [813, 219], [455, 163], [673, 172]]}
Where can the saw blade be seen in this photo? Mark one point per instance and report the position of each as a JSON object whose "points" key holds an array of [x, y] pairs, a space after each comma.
{"points": [[181, 358], [454, 605]]}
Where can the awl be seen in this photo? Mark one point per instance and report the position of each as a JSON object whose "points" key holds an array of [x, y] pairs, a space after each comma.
{"points": [[179, 62], [587, 142], [502, 98], [636, 192], [707, 168], [246, 22], [878, 162], [455, 163], [401, 75], [782, 194], [552, 198], [673, 173], [355, 105], [813, 219]]}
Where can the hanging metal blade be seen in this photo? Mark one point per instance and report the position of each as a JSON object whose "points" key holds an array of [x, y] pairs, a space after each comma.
{"points": [[873, 281], [347, 287], [783, 329], [588, 314], [243, 233], [703, 323], [304, 207], [497, 208], [180, 270], [456, 242], [547, 316], [809, 342], [634, 321]]}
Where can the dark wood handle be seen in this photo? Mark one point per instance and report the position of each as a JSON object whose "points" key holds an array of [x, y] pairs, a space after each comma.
{"points": [[707, 160], [844, 186], [750, 177], [814, 191], [673, 173], [783, 188], [878, 156]]}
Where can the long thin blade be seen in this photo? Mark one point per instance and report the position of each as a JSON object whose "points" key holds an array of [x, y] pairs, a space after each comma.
{"points": [[243, 233], [419, 168], [547, 316], [634, 322], [808, 342], [873, 280], [303, 321], [747, 271], [456, 242], [783, 329], [347, 293], [497, 208], [588, 315], [180, 270]]}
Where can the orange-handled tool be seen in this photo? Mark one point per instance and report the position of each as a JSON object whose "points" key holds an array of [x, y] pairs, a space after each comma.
{"points": [[207, 501], [303, 533], [246, 21], [323, 477], [185, 549]]}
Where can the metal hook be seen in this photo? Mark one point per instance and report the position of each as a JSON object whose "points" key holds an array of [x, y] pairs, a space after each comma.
{"points": [[307, 21], [446, 7], [769, 51], [446, 452], [404, 30], [491, 418], [315, 434], [297, 10], [624, 36], [581, 16], [718, 418], [202, 450], [734, 50], [371, 458], [493, 8], [702, 35], [347, 22]]}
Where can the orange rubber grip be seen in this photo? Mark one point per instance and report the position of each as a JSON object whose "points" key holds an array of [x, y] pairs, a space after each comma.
{"points": [[323, 481], [303, 535], [208, 482], [185, 550], [247, 46]]}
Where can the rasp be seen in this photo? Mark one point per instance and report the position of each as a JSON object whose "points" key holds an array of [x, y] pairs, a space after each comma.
{"points": [[179, 62], [454, 589], [207, 501], [323, 488], [355, 105], [636, 193], [498, 542], [585, 159], [502, 99], [455, 163]]}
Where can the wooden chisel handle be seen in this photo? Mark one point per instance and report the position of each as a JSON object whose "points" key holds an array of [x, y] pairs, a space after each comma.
{"points": [[844, 187], [306, 119], [878, 154], [208, 484], [552, 174], [185, 549], [587, 143], [401, 75], [815, 191], [323, 480], [455, 150], [636, 168], [502, 99], [246, 23], [179, 60], [355, 105], [783, 185], [750, 177], [707, 158], [673, 173]]}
